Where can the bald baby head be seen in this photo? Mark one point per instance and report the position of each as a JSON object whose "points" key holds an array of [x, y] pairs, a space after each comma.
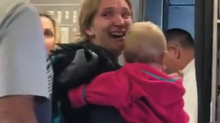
{"points": [[145, 43]]}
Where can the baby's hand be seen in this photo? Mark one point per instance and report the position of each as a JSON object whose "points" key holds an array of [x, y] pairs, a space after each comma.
{"points": [[179, 74]]}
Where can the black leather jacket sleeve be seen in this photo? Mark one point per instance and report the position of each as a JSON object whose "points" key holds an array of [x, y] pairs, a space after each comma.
{"points": [[80, 70]]}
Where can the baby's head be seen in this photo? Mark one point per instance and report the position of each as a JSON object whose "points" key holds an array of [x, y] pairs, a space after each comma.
{"points": [[145, 43]]}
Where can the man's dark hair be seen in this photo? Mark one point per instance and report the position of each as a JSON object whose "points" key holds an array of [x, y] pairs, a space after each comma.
{"points": [[181, 36]]}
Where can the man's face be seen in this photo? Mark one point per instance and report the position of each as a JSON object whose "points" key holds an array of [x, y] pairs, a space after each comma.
{"points": [[172, 58]]}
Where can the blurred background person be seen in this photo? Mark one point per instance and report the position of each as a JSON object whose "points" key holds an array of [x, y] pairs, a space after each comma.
{"points": [[24, 78], [180, 46], [51, 31]]}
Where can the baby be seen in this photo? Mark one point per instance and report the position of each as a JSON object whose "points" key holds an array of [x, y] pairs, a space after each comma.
{"points": [[140, 90]]}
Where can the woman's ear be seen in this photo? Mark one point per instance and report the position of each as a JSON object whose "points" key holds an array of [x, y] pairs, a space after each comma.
{"points": [[90, 32]]}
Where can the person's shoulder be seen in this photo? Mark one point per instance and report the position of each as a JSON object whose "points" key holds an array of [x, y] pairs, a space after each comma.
{"points": [[13, 12], [11, 6], [6, 5]]}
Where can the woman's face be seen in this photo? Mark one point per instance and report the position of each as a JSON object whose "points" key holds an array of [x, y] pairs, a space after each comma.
{"points": [[49, 33], [110, 25]]}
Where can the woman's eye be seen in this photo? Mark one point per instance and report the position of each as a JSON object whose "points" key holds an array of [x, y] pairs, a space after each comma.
{"points": [[107, 14], [48, 33], [126, 15]]}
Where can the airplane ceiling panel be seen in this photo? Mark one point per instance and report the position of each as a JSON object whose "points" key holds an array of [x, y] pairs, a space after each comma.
{"points": [[65, 12], [55, 1]]}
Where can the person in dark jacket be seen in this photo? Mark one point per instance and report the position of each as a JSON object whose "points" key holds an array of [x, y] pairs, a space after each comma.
{"points": [[102, 25], [140, 91]]}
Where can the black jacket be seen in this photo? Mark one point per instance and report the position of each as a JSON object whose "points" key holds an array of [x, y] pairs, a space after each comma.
{"points": [[77, 64]]}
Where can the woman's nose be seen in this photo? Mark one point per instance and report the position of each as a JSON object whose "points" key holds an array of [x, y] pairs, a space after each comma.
{"points": [[119, 20]]}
